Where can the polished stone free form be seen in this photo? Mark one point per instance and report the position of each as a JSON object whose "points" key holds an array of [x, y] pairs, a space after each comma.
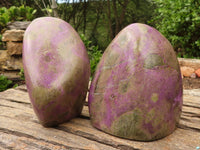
{"points": [[136, 92], [57, 70]]}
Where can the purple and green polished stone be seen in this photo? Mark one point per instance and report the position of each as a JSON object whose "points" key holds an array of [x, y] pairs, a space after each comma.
{"points": [[57, 70], [136, 92]]}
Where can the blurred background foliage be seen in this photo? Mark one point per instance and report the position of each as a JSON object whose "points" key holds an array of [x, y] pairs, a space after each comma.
{"points": [[21, 13], [99, 21], [4, 83], [179, 21]]}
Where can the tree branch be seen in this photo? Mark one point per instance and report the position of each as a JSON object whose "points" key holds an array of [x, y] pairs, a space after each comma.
{"points": [[54, 7], [109, 20]]}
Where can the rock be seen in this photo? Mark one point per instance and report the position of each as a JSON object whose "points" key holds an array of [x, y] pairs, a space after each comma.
{"points": [[14, 63], [13, 75], [14, 48], [187, 71], [19, 25], [9, 62], [57, 86], [198, 72], [3, 58], [193, 75], [136, 92], [13, 35], [193, 63]]}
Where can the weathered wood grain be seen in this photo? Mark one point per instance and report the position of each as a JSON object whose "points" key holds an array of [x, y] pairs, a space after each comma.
{"points": [[20, 129]]}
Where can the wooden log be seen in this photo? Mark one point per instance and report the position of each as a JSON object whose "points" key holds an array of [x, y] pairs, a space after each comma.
{"points": [[20, 129], [25, 125]]}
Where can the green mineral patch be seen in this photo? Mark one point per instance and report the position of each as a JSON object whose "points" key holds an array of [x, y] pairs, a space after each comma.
{"points": [[43, 95], [170, 57], [98, 113], [129, 125], [157, 120], [154, 97], [177, 113], [163, 131], [150, 115], [152, 61], [111, 58], [143, 28], [123, 86], [154, 118], [123, 40], [136, 46]]}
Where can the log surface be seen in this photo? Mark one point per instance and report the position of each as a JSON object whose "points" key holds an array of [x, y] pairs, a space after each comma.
{"points": [[20, 129]]}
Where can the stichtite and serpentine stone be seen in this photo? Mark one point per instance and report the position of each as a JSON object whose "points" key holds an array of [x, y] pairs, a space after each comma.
{"points": [[57, 70], [136, 92]]}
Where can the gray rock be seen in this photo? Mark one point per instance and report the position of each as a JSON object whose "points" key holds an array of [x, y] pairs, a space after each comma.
{"points": [[19, 25]]}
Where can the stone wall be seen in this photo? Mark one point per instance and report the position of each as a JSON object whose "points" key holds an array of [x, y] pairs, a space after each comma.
{"points": [[11, 59], [190, 67]]}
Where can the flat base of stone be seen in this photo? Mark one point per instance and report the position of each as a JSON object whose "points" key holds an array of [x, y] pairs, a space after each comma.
{"points": [[137, 139]]}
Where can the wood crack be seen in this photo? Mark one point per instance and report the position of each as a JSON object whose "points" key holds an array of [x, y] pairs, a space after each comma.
{"points": [[191, 106], [6, 106], [181, 126], [190, 114], [35, 145], [19, 102], [185, 119], [20, 134], [21, 89], [96, 139]]}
